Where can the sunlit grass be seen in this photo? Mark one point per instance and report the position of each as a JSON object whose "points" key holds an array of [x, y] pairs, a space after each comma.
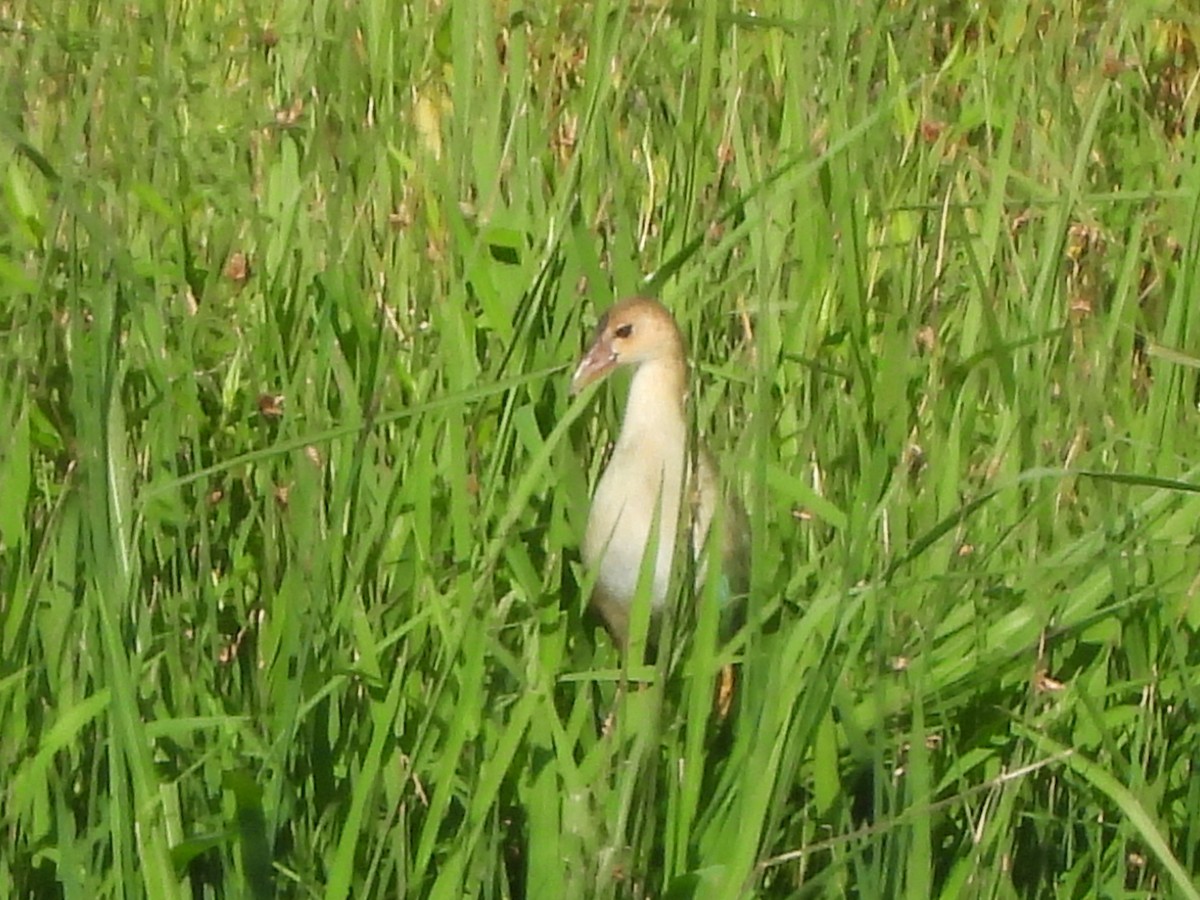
{"points": [[292, 494]]}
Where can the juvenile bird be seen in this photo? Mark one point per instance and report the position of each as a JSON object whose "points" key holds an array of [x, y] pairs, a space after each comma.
{"points": [[651, 474]]}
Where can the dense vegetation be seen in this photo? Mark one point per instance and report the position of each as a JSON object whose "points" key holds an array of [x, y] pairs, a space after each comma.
{"points": [[292, 490]]}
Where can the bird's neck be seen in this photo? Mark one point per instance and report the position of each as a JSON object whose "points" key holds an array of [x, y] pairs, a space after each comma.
{"points": [[655, 413]]}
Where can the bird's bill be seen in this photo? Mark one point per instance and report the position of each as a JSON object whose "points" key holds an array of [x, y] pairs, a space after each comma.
{"points": [[596, 363]]}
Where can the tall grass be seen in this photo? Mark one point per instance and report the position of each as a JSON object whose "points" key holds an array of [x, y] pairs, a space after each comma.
{"points": [[292, 491]]}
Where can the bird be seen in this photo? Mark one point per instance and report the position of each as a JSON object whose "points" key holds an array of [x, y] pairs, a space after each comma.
{"points": [[639, 500]]}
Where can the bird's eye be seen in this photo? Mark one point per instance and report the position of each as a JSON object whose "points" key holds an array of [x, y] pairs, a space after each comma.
{"points": [[624, 331]]}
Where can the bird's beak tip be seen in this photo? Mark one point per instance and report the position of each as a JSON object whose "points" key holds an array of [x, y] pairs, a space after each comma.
{"points": [[596, 363]]}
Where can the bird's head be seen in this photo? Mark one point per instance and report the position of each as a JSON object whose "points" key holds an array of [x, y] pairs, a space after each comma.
{"points": [[635, 331]]}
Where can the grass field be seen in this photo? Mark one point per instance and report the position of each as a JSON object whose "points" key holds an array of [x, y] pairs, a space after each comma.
{"points": [[292, 490]]}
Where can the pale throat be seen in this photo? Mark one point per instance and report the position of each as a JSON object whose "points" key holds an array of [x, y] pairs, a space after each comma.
{"points": [[655, 411]]}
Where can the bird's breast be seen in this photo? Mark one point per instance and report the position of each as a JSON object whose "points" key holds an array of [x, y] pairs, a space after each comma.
{"points": [[636, 505]]}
